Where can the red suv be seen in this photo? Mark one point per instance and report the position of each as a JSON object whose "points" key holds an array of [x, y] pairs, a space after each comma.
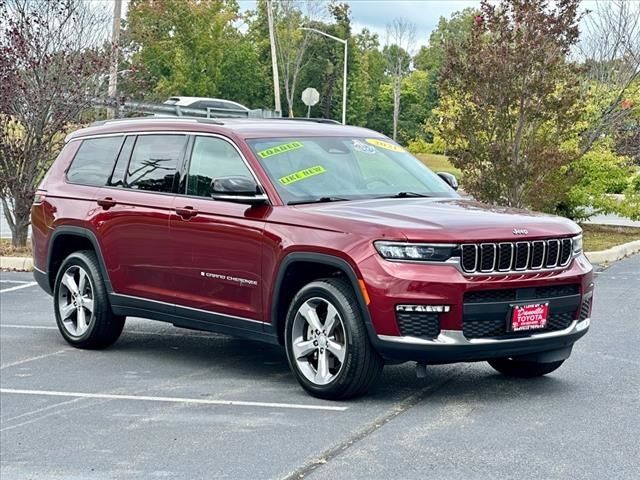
{"points": [[330, 240]]}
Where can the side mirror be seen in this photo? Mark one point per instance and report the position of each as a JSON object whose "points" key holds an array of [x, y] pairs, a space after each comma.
{"points": [[237, 189], [451, 179]]}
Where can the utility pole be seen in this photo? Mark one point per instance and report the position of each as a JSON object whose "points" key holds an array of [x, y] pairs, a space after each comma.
{"points": [[274, 58], [115, 41]]}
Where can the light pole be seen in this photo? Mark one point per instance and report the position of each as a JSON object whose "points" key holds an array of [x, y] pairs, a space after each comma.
{"points": [[274, 58], [115, 45], [344, 78]]}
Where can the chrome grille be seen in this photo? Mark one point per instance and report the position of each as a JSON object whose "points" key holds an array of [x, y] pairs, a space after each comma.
{"points": [[515, 256]]}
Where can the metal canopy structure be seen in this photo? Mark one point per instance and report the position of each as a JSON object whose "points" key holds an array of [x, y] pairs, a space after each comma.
{"points": [[163, 109]]}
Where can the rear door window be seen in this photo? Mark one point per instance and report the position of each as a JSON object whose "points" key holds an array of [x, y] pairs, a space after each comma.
{"points": [[154, 162], [94, 161]]}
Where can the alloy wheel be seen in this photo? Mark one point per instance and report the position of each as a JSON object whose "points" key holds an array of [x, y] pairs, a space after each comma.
{"points": [[76, 301], [318, 341]]}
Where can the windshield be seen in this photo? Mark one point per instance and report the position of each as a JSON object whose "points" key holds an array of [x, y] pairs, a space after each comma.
{"points": [[314, 169]]}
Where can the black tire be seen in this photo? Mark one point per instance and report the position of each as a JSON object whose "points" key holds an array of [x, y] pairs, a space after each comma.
{"points": [[362, 365], [103, 327], [523, 369]]}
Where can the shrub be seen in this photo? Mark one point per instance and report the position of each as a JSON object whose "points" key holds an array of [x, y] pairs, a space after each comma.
{"points": [[419, 145]]}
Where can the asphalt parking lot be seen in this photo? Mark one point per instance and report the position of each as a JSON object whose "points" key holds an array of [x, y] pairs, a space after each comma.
{"points": [[170, 403]]}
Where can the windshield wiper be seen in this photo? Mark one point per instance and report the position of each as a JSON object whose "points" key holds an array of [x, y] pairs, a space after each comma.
{"points": [[408, 195], [319, 200]]}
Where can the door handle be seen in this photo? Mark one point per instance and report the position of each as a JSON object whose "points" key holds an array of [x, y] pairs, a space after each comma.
{"points": [[107, 203], [186, 212]]}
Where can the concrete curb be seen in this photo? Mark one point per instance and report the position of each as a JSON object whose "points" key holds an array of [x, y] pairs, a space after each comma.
{"points": [[614, 253], [25, 264], [18, 264]]}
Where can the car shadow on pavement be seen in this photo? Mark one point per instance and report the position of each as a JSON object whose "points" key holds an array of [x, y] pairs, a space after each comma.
{"points": [[266, 367]]}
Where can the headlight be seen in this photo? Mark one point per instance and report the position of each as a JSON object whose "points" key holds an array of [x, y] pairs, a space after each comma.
{"points": [[416, 252], [577, 244]]}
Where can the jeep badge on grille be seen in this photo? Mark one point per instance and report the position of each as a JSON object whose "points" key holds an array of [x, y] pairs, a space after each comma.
{"points": [[520, 231]]}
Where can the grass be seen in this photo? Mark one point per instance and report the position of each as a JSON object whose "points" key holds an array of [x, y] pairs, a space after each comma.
{"points": [[601, 237], [8, 250], [439, 163]]}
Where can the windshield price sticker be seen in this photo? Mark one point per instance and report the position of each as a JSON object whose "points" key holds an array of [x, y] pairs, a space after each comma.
{"points": [[287, 147], [302, 174], [385, 145]]}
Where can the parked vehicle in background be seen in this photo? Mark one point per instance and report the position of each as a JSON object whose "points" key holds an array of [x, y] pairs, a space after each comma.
{"points": [[330, 240], [204, 103]]}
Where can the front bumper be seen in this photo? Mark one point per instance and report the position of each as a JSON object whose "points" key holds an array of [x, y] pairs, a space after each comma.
{"points": [[391, 284], [452, 346]]}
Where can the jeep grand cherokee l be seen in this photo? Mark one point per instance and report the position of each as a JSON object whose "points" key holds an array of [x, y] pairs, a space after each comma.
{"points": [[330, 240]]}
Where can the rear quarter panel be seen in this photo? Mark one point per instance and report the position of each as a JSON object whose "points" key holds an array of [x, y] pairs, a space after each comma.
{"points": [[64, 204]]}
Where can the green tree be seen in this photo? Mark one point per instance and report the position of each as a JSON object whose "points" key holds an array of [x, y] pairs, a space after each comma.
{"points": [[191, 47], [456, 29], [510, 99], [366, 75]]}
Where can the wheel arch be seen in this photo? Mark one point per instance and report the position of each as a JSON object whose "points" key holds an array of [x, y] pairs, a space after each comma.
{"points": [[68, 239], [286, 286]]}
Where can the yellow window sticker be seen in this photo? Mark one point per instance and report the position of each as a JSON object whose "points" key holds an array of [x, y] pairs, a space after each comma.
{"points": [[302, 174], [287, 147], [385, 145]]}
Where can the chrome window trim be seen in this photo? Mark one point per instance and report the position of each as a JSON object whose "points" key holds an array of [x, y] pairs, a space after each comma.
{"points": [[174, 132]]}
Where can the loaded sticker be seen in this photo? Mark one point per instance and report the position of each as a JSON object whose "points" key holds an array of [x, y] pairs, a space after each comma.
{"points": [[363, 147], [287, 147], [302, 174], [385, 145]]}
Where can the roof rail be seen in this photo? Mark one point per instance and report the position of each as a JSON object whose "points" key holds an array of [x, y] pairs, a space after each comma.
{"points": [[315, 120], [170, 119]]}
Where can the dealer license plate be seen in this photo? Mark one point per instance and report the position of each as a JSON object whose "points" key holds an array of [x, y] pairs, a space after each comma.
{"points": [[532, 316]]}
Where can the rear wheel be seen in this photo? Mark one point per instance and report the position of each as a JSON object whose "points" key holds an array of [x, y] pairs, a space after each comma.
{"points": [[327, 344], [523, 369], [82, 309]]}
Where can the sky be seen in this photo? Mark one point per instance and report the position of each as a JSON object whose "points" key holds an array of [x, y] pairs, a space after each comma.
{"points": [[376, 14]]}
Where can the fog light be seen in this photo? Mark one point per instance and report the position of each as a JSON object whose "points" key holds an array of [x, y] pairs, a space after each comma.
{"points": [[423, 308]]}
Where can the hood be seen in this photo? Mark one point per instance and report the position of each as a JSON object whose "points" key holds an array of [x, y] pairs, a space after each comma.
{"points": [[447, 219]]}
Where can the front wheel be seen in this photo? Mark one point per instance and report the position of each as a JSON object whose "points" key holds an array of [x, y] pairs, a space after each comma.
{"points": [[327, 344], [524, 369]]}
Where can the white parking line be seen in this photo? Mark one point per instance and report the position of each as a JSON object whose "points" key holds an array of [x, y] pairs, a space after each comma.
{"points": [[29, 327], [18, 287], [31, 359], [14, 281], [197, 401]]}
